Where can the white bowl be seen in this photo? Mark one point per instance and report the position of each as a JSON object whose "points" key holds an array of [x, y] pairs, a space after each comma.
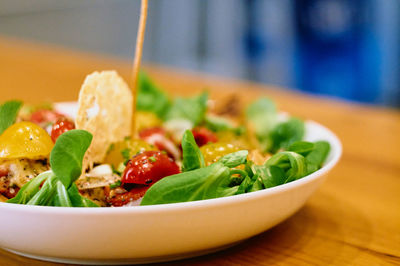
{"points": [[156, 233]]}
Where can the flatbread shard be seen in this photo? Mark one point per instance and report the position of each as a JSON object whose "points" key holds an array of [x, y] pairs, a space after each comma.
{"points": [[105, 110]]}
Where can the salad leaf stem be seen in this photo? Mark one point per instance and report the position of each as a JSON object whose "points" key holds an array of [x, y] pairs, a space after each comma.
{"points": [[61, 197], [242, 173], [26, 193], [244, 186], [257, 185], [271, 176], [44, 196]]}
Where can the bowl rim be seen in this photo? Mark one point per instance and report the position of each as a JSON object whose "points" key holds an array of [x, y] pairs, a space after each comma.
{"points": [[336, 146]]}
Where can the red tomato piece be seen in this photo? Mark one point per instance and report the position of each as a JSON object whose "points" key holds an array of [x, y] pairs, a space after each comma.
{"points": [[202, 136], [151, 131], [148, 167], [157, 136], [62, 125], [121, 199], [45, 116]]}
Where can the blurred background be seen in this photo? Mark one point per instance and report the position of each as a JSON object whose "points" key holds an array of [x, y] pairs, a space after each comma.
{"points": [[348, 49]]}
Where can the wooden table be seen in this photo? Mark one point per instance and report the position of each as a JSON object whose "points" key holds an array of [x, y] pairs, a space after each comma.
{"points": [[353, 219]]}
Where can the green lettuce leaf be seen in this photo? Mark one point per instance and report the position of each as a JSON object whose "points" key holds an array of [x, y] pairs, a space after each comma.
{"points": [[192, 156], [150, 98], [192, 109], [286, 133], [8, 114], [67, 155]]}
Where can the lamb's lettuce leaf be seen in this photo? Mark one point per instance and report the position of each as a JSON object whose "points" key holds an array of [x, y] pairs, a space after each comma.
{"points": [[286, 133], [272, 133], [67, 155], [192, 109], [317, 156], [150, 98], [8, 114], [192, 156], [203, 183]]}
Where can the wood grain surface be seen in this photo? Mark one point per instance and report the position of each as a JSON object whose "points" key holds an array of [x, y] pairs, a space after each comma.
{"points": [[353, 219]]}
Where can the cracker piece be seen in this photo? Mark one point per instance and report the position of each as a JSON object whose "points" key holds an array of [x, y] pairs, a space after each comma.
{"points": [[105, 110]]}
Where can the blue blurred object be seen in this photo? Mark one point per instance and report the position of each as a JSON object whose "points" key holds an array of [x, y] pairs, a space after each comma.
{"points": [[337, 50], [253, 40]]}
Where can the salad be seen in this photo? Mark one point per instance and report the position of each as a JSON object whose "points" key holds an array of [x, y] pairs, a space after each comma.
{"points": [[166, 150]]}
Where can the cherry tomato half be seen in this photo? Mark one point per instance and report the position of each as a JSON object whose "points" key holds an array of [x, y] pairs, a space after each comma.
{"points": [[62, 125], [25, 140], [203, 136], [148, 167]]}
